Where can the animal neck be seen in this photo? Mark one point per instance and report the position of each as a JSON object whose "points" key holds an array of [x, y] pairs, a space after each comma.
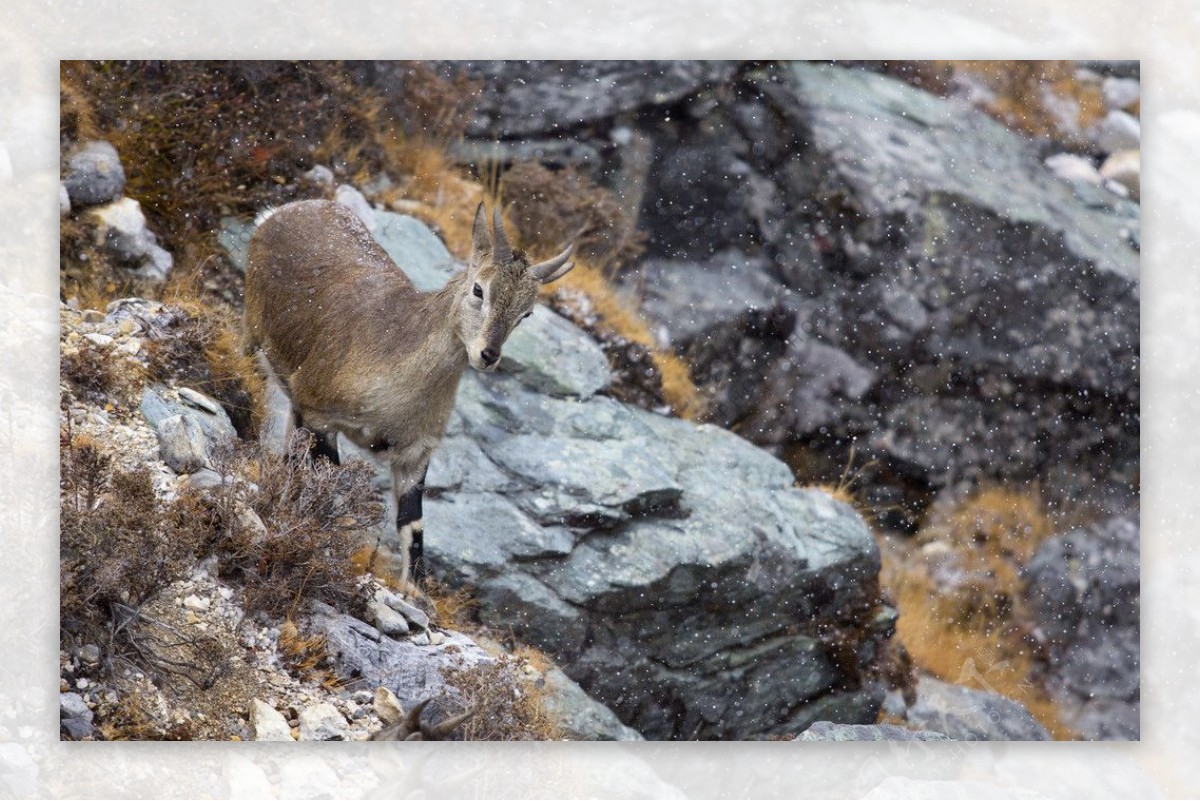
{"points": [[440, 351]]}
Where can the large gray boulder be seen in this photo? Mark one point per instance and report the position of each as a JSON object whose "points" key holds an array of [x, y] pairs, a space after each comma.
{"points": [[521, 98], [1084, 589], [673, 570]]}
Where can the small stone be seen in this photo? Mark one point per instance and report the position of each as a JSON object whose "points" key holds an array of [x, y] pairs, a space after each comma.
{"points": [[94, 175], [196, 603], [1121, 93], [1071, 167], [204, 478], [89, 654], [320, 175], [1125, 168], [411, 613], [422, 638], [181, 444], [386, 619], [387, 706], [82, 683], [267, 724], [322, 722], [72, 705], [362, 697], [436, 638], [1118, 131], [199, 400], [99, 340], [77, 728], [93, 316]]}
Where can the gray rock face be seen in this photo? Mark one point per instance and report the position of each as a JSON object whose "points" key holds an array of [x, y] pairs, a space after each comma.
{"points": [[581, 717], [824, 731], [1084, 587], [94, 174], [964, 714], [644, 551], [527, 97]]}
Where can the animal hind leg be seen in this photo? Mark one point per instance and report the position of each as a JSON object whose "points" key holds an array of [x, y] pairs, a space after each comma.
{"points": [[411, 528]]}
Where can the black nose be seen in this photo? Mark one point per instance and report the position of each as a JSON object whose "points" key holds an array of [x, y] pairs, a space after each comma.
{"points": [[490, 356]]}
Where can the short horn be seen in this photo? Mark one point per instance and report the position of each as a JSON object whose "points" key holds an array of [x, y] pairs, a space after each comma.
{"points": [[554, 268], [448, 725], [480, 240], [502, 250]]}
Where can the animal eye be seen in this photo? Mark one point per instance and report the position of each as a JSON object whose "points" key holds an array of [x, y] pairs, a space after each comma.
{"points": [[478, 290], [526, 314]]}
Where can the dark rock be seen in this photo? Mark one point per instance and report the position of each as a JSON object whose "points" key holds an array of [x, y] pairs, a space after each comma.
{"points": [[964, 714], [1084, 589], [524, 98], [94, 174], [824, 731], [929, 245]]}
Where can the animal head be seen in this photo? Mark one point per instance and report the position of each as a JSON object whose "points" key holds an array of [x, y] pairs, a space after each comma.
{"points": [[501, 289]]}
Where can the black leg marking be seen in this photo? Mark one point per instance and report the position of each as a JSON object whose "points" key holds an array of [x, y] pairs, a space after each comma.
{"points": [[409, 514], [325, 445]]}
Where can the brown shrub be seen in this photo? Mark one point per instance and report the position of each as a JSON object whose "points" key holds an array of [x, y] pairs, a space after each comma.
{"points": [[306, 524], [507, 705], [119, 543], [549, 208]]}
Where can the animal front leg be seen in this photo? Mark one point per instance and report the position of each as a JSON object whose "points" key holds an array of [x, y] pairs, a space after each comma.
{"points": [[411, 528]]}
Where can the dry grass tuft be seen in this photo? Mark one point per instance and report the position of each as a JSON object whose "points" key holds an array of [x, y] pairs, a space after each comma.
{"points": [[959, 595], [507, 704], [294, 537]]}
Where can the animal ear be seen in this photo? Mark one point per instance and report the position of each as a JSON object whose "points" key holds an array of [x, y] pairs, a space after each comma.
{"points": [[480, 241], [554, 268], [502, 250]]}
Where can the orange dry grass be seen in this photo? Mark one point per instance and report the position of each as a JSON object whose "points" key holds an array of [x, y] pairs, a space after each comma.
{"points": [[1028, 91], [619, 316], [959, 595]]}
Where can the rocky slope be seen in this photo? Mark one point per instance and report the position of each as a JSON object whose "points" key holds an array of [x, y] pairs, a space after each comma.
{"points": [[844, 258]]}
